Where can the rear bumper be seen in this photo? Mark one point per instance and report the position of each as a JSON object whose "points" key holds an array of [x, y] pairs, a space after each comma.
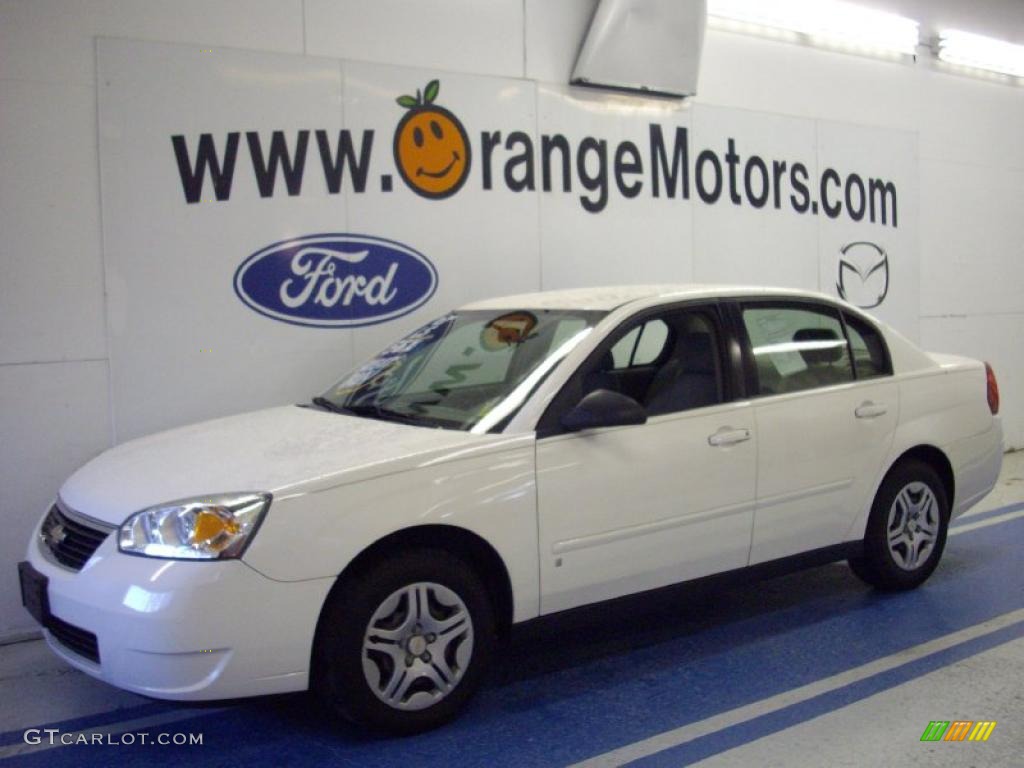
{"points": [[184, 630]]}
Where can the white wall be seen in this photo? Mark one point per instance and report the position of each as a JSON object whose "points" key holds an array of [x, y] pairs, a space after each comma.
{"points": [[56, 407]]}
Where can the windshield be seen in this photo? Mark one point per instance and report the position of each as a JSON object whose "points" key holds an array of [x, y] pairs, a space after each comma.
{"points": [[466, 370]]}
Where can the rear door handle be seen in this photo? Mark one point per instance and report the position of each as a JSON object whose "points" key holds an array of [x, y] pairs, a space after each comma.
{"points": [[728, 436], [870, 410]]}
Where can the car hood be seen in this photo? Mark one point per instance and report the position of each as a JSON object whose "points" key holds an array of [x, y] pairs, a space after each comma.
{"points": [[285, 449]]}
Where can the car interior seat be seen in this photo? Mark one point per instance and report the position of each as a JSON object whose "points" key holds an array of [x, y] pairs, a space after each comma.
{"points": [[688, 380], [821, 362], [602, 376]]}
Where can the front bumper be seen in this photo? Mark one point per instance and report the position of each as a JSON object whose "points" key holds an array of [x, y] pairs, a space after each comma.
{"points": [[184, 630]]}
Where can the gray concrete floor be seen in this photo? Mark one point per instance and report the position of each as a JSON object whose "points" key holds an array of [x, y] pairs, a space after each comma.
{"points": [[882, 730], [37, 687]]}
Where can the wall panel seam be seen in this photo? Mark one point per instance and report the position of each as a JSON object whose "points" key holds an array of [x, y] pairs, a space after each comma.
{"points": [[68, 361]]}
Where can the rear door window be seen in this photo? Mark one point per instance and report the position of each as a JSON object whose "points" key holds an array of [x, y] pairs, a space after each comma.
{"points": [[796, 347]]}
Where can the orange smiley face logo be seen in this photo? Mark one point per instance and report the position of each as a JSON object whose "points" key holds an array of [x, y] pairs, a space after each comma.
{"points": [[431, 146]]}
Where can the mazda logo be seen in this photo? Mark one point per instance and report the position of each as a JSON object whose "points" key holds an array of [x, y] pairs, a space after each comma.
{"points": [[863, 274]]}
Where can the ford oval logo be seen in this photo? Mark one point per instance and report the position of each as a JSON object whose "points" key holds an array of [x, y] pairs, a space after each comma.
{"points": [[335, 280]]}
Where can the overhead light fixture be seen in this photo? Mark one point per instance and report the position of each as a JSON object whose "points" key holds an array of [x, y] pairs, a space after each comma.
{"points": [[669, 32], [979, 52], [827, 23]]}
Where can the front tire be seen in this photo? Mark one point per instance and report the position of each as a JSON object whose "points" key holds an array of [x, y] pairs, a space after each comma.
{"points": [[403, 645], [906, 531]]}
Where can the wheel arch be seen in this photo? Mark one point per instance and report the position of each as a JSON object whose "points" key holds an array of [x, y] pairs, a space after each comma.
{"points": [[927, 453], [461, 542], [937, 460], [876, 564]]}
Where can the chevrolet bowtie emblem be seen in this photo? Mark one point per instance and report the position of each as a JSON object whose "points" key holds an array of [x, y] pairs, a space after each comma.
{"points": [[863, 274], [57, 533]]}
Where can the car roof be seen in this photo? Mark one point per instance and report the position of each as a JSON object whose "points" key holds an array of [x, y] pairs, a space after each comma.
{"points": [[609, 297]]}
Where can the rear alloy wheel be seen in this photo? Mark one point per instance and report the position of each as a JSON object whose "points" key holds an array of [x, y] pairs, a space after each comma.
{"points": [[906, 531], [913, 526], [403, 645]]}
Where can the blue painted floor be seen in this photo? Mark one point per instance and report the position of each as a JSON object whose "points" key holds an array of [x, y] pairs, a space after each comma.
{"points": [[570, 690]]}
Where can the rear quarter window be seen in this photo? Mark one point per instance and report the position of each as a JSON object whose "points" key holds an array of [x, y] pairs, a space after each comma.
{"points": [[870, 358]]}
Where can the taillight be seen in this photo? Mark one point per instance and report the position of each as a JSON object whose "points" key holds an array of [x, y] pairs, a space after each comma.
{"points": [[993, 389]]}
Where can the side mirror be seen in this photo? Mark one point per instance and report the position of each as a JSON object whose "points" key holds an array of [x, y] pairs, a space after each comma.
{"points": [[604, 408]]}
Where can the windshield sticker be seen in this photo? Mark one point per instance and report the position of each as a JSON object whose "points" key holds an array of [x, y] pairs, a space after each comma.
{"points": [[384, 364], [504, 331]]}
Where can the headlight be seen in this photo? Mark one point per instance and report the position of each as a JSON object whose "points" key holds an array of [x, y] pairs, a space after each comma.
{"points": [[203, 528]]}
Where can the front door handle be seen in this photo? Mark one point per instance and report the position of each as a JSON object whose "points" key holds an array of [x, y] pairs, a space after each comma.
{"points": [[728, 436], [870, 410]]}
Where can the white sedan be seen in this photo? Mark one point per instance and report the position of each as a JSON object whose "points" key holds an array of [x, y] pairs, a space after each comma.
{"points": [[514, 458]]}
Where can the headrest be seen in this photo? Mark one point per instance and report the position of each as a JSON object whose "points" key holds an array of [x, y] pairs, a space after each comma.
{"points": [[697, 353], [826, 353]]}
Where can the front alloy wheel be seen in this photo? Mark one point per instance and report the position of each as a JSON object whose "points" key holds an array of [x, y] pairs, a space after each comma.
{"points": [[403, 644], [417, 646]]}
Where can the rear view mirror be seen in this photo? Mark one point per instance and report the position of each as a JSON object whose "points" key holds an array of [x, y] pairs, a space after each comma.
{"points": [[604, 408]]}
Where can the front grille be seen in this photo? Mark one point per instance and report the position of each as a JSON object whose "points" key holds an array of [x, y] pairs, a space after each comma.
{"points": [[74, 638], [70, 539]]}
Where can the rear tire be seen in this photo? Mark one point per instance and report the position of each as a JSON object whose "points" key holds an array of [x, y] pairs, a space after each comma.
{"points": [[403, 645], [906, 531]]}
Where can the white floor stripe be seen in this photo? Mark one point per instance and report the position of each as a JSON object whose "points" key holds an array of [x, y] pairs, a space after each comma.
{"points": [[693, 731], [140, 725], [957, 529]]}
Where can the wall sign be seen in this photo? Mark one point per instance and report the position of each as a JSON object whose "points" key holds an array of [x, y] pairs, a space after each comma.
{"points": [[234, 183], [433, 152], [863, 274], [335, 281], [431, 148]]}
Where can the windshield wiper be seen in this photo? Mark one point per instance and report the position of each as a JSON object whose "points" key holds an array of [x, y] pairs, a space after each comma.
{"points": [[328, 405], [388, 414], [372, 411]]}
